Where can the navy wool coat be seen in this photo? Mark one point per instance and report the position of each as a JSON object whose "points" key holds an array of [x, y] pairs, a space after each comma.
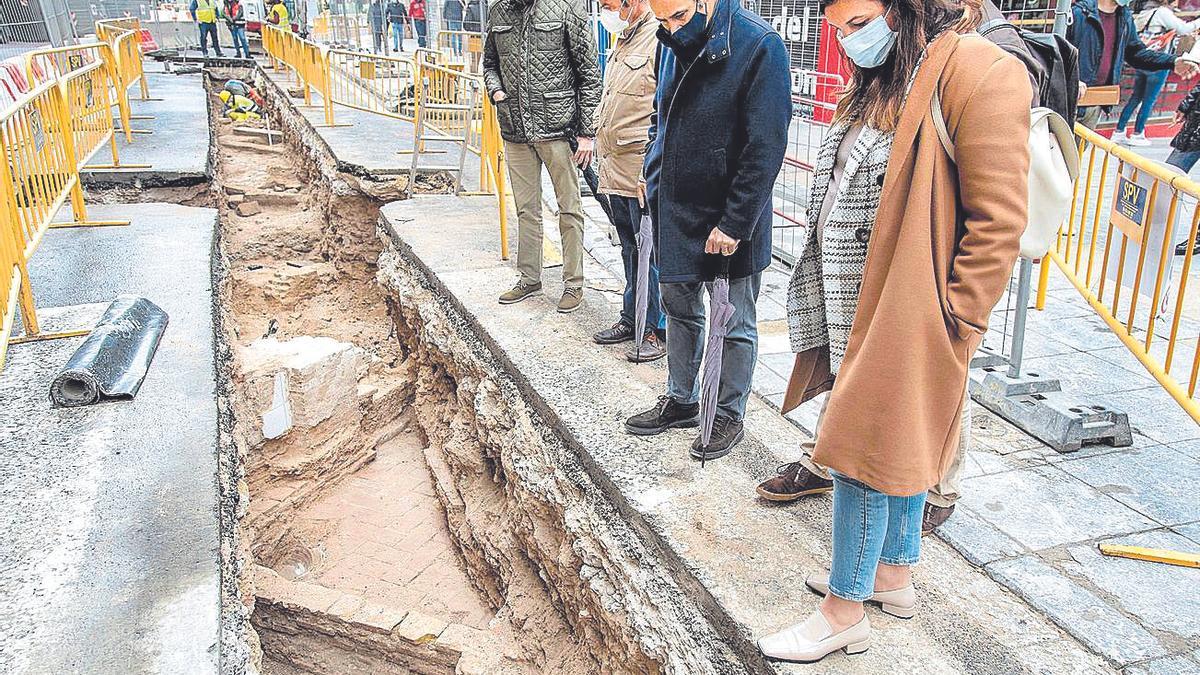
{"points": [[717, 140]]}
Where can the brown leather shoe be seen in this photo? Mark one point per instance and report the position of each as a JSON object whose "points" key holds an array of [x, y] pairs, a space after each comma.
{"points": [[793, 482], [934, 517], [652, 349]]}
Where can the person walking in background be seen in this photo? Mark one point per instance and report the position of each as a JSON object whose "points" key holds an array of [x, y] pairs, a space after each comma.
{"points": [[416, 11], [452, 15], [1185, 146], [473, 17], [205, 13], [1159, 28], [891, 342], [716, 146], [375, 19], [1104, 34], [397, 16], [540, 103], [630, 79], [235, 19]]}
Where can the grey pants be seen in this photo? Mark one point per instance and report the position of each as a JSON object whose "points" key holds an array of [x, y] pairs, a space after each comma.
{"points": [[525, 162], [943, 494]]}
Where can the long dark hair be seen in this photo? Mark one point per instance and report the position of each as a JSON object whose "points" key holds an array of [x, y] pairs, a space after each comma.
{"points": [[876, 94]]}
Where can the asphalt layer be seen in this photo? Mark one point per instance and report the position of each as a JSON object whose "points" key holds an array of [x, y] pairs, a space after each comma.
{"points": [[107, 513]]}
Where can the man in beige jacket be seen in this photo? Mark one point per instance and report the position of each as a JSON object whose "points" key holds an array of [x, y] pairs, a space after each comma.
{"points": [[630, 78]]}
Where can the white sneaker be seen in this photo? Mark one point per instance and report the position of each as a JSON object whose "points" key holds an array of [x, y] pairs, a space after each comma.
{"points": [[901, 602], [813, 640], [1120, 136], [1138, 141]]}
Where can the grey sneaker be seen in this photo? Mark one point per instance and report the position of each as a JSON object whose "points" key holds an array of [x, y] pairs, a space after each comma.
{"points": [[572, 298], [519, 293]]}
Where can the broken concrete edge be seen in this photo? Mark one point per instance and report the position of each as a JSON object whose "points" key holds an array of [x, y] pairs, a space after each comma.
{"points": [[345, 613], [736, 640]]}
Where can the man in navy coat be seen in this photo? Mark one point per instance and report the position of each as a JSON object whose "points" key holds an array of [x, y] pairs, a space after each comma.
{"points": [[717, 141]]}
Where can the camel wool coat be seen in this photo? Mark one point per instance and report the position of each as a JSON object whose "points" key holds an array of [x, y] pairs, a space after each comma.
{"points": [[945, 239]]}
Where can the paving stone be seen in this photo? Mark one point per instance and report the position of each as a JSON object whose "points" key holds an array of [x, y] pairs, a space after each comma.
{"points": [[1191, 448], [1149, 591], [346, 607], [767, 381], [1088, 375], [1191, 531], [420, 628], [1098, 625], [780, 363], [1083, 333], [1159, 482], [1182, 664], [1154, 414], [378, 617], [1043, 507], [976, 539]]}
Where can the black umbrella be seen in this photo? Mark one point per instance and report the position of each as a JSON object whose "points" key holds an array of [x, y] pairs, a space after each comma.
{"points": [[720, 312]]}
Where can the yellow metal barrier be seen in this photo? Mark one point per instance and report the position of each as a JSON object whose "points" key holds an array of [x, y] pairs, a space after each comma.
{"points": [[10, 283], [43, 65], [383, 85], [40, 174], [1118, 244], [306, 60], [460, 47], [124, 36]]}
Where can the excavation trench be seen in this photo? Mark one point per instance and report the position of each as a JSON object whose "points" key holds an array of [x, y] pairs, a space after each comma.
{"points": [[378, 532]]}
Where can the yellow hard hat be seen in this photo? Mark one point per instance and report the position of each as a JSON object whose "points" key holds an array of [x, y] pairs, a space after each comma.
{"points": [[224, 96]]}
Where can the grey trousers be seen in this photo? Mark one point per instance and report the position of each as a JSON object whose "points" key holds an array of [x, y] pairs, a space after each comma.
{"points": [[943, 494], [525, 162]]}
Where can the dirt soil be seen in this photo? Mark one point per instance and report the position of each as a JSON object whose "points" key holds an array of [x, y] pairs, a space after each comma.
{"points": [[344, 500]]}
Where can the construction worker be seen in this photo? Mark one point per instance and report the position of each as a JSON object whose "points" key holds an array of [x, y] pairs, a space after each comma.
{"points": [[205, 13], [239, 108], [279, 15], [235, 18]]}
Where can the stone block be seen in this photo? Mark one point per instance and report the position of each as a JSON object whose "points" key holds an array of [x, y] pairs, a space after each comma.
{"points": [[346, 607], [1151, 592], [976, 539], [1042, 507], [322, 377], [246, 209], [295, 281], [420, 628], [378, 618], [462, 639], [310, 597], [1101, 627], [1157, 481]]}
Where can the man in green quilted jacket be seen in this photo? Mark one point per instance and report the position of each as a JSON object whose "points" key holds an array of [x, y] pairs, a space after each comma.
{"points": [[541, 70]]}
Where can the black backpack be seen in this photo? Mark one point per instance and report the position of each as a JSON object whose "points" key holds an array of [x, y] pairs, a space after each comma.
{"points": [[1050, 58]]}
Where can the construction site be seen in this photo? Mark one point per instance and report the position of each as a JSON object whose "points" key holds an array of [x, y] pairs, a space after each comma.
{"points": [[336, 453]]}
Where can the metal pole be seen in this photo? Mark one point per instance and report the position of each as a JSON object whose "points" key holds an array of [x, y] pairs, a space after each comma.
{"points": [[1062, 11]]}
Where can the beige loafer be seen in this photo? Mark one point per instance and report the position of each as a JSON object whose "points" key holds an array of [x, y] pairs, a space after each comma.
{"points": [[900, 603], [813, 640]]}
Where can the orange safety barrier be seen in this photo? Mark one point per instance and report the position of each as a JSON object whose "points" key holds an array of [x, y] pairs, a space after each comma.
{"points": [[39, 175]]}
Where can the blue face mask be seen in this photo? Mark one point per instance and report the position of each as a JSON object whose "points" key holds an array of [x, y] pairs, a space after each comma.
{"points": [[869, 46]]}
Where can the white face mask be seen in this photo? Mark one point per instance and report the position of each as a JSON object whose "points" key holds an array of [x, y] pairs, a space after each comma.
{"points": [[869, 46], [612, 21]]}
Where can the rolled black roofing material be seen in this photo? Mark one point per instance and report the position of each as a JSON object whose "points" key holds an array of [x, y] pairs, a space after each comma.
{"points": [[113, 359]]}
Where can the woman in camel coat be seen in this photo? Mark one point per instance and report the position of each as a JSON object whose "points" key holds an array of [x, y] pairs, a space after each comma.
{"points": [[910, 251]]}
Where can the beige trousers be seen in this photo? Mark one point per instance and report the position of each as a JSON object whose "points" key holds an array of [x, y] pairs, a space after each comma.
{"points": [[525, 162], [943, 494]]}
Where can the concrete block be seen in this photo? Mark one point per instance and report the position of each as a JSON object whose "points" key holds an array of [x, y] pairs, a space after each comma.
{"points": [[1042, 507], [420, 628], [1157, 481], [322, 376], [1153, 593], [1098, 625], [378, 618]]}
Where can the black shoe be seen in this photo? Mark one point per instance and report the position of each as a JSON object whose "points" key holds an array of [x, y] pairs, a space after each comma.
{"points": [[620, 332], [726, 433], [667, 414], [1181, 248], [652, 349]]}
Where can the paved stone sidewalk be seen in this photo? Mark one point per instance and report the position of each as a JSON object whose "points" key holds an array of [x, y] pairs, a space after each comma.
{"points": [[1032, 517]]}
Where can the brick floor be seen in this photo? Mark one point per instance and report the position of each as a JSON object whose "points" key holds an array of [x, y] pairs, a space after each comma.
{"points": [[387, 539]]}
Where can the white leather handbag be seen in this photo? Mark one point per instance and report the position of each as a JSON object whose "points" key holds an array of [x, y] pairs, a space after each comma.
{"points": [[1053, 168]]}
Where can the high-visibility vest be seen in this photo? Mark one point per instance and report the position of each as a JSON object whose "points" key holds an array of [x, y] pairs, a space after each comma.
{"points": [[206, 11]]}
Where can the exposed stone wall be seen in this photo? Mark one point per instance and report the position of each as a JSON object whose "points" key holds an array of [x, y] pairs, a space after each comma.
{"points": [[524, 509]]}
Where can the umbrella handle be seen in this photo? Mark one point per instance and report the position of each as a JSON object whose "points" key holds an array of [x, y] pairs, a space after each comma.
{"points": [[724, 266]]}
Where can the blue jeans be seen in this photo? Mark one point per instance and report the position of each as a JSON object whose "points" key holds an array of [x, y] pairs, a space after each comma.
{"points": [[420, 26], [870, 527], [397, 37], [208, 30], [1146, 87], [241, 46], [627, 216], [455, 40], [1184, 159], [684, 304]]}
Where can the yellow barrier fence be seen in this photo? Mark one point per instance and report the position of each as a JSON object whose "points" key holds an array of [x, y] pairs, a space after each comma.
{"points": [[39, 175], [460, 47], [306, 60], [43, 65], [10, 283], [1117, 249], [383, 85], [124, 37]]}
